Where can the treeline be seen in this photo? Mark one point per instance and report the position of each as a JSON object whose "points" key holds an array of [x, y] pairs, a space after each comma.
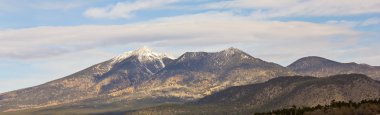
{"points": [[364, 107]]}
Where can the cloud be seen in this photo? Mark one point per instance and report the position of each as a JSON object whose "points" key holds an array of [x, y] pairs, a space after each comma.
{"points": [[291, 8], [249, 4], [125, 9], [370, 22], [355, 23], [344, 23], [17, 74], [6, 6], [58, 5], [13, 6], [187, 30]]}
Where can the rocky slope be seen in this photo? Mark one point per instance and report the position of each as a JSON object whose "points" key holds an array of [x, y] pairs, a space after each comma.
{"points": [[321, 67]]}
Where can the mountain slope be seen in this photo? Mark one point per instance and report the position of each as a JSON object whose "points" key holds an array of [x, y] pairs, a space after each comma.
{"points": [[277, 93], [301, 91], [143, 78], [321, 67], [197, 74], [121, 72]]}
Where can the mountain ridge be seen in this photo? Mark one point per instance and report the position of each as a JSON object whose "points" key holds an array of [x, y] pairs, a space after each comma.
{"points": [[145, 74], [321, 67], [140, 75]]}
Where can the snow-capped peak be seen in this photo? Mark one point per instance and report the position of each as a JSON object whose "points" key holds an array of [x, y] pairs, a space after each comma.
{"points": [[143, 50], [143, 54], [231, 50]]}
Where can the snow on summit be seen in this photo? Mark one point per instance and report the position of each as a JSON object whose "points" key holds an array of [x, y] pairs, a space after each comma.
{"points": [[143, 54]]}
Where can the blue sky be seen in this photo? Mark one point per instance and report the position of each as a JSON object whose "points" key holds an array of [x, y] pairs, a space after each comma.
{"points": [[42, 40]]}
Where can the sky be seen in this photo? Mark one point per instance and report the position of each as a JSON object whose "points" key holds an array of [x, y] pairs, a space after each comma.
{"points": [[42, 40]]}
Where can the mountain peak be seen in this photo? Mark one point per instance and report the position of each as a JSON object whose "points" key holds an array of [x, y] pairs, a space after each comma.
{"points": [[143, 50], [315, 60], [312, 61], [143, 54], [314, 57], [231, 50]]}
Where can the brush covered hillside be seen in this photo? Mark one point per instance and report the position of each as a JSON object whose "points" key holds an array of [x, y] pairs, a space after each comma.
{"points": [[277, 93], [321, 67], [142, 78], [364, 107]]}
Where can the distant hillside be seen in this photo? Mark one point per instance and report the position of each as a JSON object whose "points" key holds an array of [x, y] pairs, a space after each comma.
{"points": [[277, 93], [322, 67]]}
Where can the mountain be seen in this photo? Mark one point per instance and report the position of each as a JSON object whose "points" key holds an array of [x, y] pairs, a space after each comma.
{"points": [[143, 78], [321, 67], [224, 81], [278, 93], [197, 74], [121, 72]]}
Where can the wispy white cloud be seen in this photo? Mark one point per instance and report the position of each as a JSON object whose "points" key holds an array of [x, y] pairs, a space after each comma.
{"points": [[249, 4], [355, 23], [6, 7], [125, 9], [27, 5], [48, 69], [187, 30], [288, 8], [345, 23], [370, 22], [58, 5]]}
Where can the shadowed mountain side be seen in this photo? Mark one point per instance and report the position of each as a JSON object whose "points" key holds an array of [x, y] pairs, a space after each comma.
{"points": [[277, 93], [321, 67]]}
